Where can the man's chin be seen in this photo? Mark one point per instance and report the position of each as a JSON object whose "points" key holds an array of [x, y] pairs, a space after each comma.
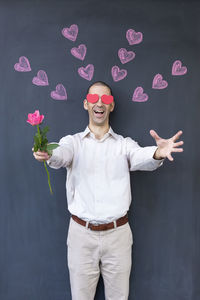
{"points": [[99, 121]]}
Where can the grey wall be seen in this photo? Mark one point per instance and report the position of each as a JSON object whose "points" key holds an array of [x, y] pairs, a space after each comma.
{"points": [[164, 214]]}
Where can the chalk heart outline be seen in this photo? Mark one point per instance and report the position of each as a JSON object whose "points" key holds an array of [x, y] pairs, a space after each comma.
{"points": [[125, 56], [41, 79], [87, 72], [23, 65], [60, 92], [159, 83], [71, 32], [139, 96], [134, 37], [118, 74], [178, 69], [79, 52]]}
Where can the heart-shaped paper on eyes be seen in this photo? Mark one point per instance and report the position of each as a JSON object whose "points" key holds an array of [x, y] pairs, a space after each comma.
{"points": [[93, 98], [107, 99]]}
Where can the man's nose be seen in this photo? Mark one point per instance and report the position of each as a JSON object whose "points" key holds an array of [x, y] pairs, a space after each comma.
{"points": [[99, 101]]}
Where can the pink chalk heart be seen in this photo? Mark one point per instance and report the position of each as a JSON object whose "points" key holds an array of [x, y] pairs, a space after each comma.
{"points": [[125, 56], [139, 96], [87, 72], [134, 37], [118, 74], [159, 83], [23, 65], [71, 32], [60, 93], [79, 52], [177, 68], [41, 78]]}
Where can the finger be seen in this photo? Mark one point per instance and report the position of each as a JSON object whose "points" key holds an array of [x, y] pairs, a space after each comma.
{"points": [[177, 150], [38, 155], [38, 151], [170, 157], [41, 157], [154, 134], [177, 135], [178, 144], [41, 153]]}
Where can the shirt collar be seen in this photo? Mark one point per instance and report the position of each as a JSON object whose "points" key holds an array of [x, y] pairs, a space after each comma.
{"points": [[87, 131]]}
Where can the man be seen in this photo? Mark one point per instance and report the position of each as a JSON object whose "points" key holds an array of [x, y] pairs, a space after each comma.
{"points": [[98, 163]]}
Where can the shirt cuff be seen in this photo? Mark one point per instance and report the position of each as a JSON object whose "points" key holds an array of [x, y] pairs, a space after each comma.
{"points": [[49, 161], [53, 159]]}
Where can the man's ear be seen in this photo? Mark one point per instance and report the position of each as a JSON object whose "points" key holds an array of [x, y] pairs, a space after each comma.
{"points": [[112, 106], [85, 104]]}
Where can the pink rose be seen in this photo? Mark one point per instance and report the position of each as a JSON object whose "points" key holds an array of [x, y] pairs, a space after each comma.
{"points": [[35, 118], [41, 142]]}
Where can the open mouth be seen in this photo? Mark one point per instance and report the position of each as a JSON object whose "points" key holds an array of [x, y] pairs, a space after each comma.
{"points": [[99, 114]]}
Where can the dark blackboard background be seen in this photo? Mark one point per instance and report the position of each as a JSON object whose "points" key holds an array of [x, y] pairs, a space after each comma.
{"points": [[164, 214]]}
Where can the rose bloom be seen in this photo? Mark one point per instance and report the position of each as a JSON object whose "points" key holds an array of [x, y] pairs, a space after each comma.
{"points": [[35, 118]]}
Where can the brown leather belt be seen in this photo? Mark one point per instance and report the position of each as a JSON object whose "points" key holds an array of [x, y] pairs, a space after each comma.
{"points": [[121, 221]]}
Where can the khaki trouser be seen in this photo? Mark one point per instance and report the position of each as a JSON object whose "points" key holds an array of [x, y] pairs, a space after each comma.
{"points": [[91, 252]]}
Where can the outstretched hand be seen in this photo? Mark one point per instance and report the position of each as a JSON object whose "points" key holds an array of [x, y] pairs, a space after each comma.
{"points": [[166, 146]]}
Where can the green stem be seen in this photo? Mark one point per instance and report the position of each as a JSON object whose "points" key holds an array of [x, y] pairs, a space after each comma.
{"points": [[48, 177], [44, 160], [38, 129]]}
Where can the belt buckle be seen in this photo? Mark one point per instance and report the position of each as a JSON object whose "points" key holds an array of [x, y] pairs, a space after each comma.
{"points": [[95, 225], [89, 225]]}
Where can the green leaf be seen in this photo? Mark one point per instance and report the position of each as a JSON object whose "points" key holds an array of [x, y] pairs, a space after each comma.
{"points": [[36, 139], [35, 148], [42, 148], [51, 147], [37, 136], [37, 142], [44, 142], [45, 130]]}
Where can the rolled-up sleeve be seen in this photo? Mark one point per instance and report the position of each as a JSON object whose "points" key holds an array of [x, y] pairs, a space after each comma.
{"points": [[62, 156], [141, 158]]}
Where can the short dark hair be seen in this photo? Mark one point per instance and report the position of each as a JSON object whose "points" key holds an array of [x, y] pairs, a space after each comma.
{"points": [[99, 83]]}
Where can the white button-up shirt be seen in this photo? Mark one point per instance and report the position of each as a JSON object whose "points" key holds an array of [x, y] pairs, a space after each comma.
{"points": [[98, 172]]}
